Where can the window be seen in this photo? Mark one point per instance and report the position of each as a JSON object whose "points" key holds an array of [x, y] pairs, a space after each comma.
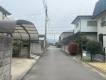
{"points": [[92, 23], [103, 21]]}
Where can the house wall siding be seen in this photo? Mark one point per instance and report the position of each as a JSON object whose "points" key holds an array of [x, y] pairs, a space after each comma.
{"points": [[83, 27], [86, 28], [1, 16], [101, 29], [77, 28]]}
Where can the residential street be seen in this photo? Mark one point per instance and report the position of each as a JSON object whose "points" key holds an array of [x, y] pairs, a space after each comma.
{"points": [[56, 65]]}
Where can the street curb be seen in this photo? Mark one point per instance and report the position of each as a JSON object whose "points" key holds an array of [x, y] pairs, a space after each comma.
{"points": [[26, 72], [97, 68], [100, 72]]}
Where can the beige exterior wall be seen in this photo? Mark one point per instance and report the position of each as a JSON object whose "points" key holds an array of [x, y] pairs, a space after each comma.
{"points": [[101, 29], [104, 41], [1, 15]]}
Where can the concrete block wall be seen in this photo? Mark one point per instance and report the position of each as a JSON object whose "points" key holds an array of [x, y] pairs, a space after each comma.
{"points": [[65, 49], [36, 49]]}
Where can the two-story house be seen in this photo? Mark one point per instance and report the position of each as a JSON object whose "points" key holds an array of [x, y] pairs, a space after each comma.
{"points": [[86, 25], [100, 15], [4, 14]]}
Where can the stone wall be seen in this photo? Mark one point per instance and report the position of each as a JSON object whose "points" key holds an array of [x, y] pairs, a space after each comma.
{"points": [[5, 58]]}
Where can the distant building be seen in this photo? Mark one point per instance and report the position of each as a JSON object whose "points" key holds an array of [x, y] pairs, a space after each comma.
{"points": [[64, 39], [4, 14], [100, 15], [65, 35], [86, 25]]}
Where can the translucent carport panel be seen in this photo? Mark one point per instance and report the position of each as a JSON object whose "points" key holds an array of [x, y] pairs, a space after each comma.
{"points": [[20, 33], [32, 32]]}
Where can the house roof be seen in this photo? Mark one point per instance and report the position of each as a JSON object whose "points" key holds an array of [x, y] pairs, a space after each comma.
{"points": [[71, 31], [68, 39], [4, 11], [81, 17], [100, 7]]}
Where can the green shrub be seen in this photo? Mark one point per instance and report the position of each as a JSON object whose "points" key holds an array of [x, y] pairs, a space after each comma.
{"points": [[94, 47], [16, 48]]}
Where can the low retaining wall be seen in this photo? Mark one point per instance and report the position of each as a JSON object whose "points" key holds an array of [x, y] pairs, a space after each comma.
{"points": [[65, 49]]}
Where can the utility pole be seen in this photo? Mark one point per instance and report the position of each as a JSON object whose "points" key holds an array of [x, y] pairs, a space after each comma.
{"points": [[46, 20]]}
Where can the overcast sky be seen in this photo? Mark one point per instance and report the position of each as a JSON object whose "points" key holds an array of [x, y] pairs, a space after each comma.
{"points": [[61, 13]]}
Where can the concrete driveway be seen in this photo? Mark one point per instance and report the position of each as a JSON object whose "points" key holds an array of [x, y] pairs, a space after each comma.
{"points": [[56, 65]]}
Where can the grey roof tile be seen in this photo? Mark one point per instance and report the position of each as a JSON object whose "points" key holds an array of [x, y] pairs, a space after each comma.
{"points": [[99, 8]]}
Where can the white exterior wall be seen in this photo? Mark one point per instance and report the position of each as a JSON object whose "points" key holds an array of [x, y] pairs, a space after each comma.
{"points": [[77, 28], [83, 27], [86, 28]]}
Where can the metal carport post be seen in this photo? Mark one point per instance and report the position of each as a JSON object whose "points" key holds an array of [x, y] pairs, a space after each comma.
{"points": [[28, 41]]}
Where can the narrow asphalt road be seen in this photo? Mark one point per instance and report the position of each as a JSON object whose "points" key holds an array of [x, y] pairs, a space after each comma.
{"points": [[56, 65]]}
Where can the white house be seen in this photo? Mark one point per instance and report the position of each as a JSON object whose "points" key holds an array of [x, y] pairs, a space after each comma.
{"points": [[100, 15], [87, 25], [4, 14]]}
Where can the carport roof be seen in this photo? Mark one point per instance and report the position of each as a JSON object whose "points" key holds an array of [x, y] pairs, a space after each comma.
{"points": [[20, 29]]}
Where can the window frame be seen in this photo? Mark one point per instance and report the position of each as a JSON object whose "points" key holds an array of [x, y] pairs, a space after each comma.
{"points": [[93, 24]]}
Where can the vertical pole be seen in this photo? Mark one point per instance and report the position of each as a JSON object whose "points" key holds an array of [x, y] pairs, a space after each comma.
{"points": [[45, 32], [29, 41], [29, 47], [46, 17], [104, 55]]}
